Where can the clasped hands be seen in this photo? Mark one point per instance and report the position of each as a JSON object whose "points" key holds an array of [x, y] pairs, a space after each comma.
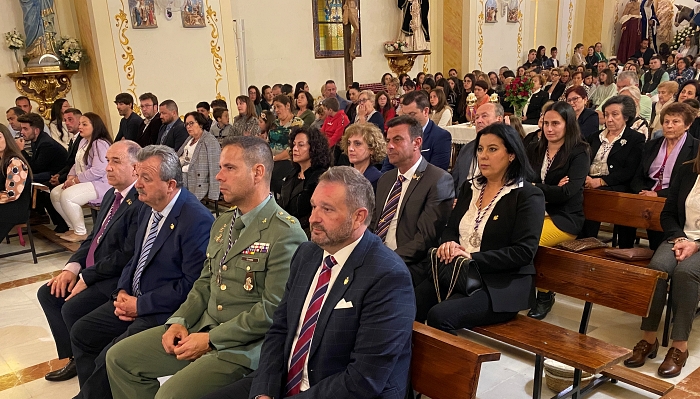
{"points": [[450, 250], [125, 306], [185, 346], [684, 249], [64, 283]]}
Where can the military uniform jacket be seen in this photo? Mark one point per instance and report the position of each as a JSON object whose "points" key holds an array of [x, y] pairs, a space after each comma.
{"points": [[238, 312]]}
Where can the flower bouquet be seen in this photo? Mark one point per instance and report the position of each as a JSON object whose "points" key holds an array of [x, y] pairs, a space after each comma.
{"points": [[396, 46], [680, 36], [517, 94], [14, 41], [69, 52]]}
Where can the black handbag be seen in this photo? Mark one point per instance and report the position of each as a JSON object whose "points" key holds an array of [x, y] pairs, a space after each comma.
{"points": [[461, 275]]}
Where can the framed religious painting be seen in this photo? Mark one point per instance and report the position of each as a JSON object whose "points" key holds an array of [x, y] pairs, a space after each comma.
{"points": [[328, 29], [513, 11], [193, 14], [491, 12], [143, 14]]}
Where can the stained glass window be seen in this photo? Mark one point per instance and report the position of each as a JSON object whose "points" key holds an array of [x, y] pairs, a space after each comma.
{"points": [[328, 29]]}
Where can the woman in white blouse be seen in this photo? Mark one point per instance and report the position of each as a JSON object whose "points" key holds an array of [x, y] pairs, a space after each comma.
{"points": [[440, 112], [87, 179]]}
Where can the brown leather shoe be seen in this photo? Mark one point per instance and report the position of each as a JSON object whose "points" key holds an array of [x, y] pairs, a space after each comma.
{"points": [[641, 352], [673, 363]]}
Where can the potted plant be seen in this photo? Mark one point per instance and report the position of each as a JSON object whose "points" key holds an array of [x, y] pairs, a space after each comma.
{"points": [[69, 52]]}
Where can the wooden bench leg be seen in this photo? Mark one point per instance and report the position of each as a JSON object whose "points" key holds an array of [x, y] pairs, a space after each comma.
{"points": [[667, 320], [537, 382]]}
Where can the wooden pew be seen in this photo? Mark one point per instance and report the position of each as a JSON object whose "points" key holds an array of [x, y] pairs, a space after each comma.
{"points": [[444, 366], [621, 208], [616, 285], [688, 388]]}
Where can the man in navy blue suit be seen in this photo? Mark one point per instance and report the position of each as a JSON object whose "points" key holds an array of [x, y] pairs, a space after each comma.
{"points": [[170, 245], [343, 328], [437, 142]]}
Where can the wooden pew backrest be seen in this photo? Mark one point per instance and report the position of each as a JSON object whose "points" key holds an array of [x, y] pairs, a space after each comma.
{"points": [[600, 281], [624, 209], [446, 366]]}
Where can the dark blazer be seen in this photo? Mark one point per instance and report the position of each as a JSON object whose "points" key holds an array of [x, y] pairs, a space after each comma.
{"points": [[436, 148], [694, 129], [623, 160], [423, 213], [372, 174], [378, 120], [175, 137], [48, 158], [116, 247], [149, 134], [176, 258], [673, 214], [642, 181], [557, 92], [295, 198], [463, 163], [363, 351], [129, 128], [508, 246], [588, 122], [534, 109], [70, 161], [564, 204]]}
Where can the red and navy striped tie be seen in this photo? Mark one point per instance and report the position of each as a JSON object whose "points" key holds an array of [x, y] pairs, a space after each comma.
{"points": [[301, 349], [390, 208]]}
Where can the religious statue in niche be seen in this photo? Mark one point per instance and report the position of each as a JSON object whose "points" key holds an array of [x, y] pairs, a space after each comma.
{"points": [[513, 11], [143, 14], [649, 22], [193, 14], [664, 30], [351, 15], [631, 33], [491, 11], [414, 26], [38, 18]]}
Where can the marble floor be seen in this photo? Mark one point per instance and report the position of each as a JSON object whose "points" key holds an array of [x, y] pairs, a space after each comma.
{"points": [[27, 351]]}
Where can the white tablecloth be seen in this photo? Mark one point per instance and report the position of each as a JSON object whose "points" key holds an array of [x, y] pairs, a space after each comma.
{"points": [[463, 134]]}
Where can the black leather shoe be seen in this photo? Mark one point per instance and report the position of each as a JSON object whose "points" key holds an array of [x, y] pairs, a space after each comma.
{"points": [[545, 301], [66, 373]]}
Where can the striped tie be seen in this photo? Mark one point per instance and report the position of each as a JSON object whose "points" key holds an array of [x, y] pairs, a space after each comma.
{"points": [[90, 260], [145, 250], [390, 208], [301, 349]]}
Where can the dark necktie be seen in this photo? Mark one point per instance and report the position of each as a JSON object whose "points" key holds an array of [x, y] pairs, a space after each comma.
{"points": [[390, 208], [90, 261], [301, 348], [145, 250]]}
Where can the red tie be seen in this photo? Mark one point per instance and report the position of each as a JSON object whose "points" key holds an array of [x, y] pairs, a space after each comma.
{"points": [[90, 261], [301, 349]]}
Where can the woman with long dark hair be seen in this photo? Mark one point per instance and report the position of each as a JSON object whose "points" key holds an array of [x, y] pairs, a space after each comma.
{"points": [[15, 184], [382, 104], [561, 162], [467, 88], [246, 122], [87, 179], [254, 95], [58, 129]]}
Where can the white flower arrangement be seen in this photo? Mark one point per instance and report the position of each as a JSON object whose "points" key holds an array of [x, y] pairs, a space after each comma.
{"points": [[393, 46], [14, 40], [680, 37], [69, 52]]}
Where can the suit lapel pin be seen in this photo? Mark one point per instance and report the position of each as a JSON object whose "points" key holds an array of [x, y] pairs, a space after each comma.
{"points": [[416, 177], [172, 226], [495, 217], [128, 201], [264, 220], [347, 279]]}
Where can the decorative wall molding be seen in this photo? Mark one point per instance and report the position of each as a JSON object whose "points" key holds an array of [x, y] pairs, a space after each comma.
{"points": [[480, 30], [217, 60], [520, 33], [127, 55], [568, 30]]}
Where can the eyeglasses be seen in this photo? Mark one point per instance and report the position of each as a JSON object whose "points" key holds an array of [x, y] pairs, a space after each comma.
{"points": [[363, 100], [190, 124], [573, 100]]}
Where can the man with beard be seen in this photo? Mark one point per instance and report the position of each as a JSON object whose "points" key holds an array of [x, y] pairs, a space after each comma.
{"points": [[344, 325], [214, 338]]}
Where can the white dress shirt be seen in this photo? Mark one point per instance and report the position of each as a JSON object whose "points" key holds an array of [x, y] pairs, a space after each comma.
{"points": [[165, 212], [390, 240], [74, 267], [341, 257]]}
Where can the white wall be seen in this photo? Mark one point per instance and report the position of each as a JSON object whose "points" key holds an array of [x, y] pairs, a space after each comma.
{"points": [[279, 43]]}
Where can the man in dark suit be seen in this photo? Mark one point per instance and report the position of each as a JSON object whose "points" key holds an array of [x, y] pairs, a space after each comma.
{"points": [[486, 114], [436, 141], [414, 200], [534, 105], [48, 158], [173, 132], [343, 328], [170, 248], [130, 123], [91, 274], [71, 117], [150, 127]]}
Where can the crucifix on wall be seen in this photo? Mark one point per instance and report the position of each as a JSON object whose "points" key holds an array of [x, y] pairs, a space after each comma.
{"points": [[351, 30]]}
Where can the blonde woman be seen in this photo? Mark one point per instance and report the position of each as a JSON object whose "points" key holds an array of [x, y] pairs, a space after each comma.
{"points": [[365, 146], [665, 90]]}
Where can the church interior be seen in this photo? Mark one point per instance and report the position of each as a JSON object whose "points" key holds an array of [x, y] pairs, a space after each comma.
{"points": [[91, 55]]}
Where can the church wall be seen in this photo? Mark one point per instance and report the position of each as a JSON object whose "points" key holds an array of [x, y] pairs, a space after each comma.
{"points": [[279, 46]]}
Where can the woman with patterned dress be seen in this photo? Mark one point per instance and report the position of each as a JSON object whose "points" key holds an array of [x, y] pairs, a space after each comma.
{"points": [[15, 184], [278, 137]]}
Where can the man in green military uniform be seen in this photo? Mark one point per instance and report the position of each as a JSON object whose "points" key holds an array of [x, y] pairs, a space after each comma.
{"points": [[215, 337]]}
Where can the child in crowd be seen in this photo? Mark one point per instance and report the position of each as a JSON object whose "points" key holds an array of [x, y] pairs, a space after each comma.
{"points": [[222, 128]]}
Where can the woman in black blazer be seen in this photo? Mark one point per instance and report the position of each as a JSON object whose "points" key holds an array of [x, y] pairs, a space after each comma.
{"points": [[679, 258], [615, 156], [556, 89], [561, 163], [537, 100], [587, 118], [311, 157], [497, 222]]}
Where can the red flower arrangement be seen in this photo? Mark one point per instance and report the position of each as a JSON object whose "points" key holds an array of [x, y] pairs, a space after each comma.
{"points": [[518, 92]]}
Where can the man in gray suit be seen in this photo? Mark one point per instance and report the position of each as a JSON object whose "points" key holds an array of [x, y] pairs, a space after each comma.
{"points": [[414, 200]]}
